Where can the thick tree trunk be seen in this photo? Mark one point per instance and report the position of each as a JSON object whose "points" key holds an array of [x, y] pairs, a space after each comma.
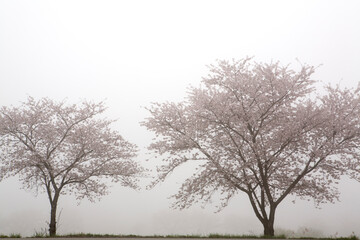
{"points": [[268, 228], [269, 223], [267, 219], [52, 224]]}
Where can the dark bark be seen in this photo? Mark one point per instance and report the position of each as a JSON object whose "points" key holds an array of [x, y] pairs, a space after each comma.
{"points": [[268, 228], [266, 218], [52, 224]]}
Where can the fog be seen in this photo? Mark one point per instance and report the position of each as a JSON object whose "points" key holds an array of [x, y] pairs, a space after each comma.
{"points": [[132, 53]]}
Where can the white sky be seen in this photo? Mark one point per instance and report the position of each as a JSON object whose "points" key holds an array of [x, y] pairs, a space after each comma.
{"points": [[131, 53]]}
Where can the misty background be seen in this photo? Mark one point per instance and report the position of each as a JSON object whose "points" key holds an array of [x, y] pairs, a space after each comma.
{"points": [[132, 53]]}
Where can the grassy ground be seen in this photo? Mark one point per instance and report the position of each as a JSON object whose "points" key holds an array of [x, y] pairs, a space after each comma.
{"points": [[215, 236], [10, 236]]}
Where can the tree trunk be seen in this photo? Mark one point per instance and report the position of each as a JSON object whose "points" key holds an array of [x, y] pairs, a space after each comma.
{"points": [[52, 224], [261, 213], [268, 228], [269, 223]]}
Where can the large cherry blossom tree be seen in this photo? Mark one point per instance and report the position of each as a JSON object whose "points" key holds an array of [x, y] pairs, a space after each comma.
{"points": [[64, 149], [260, 129]]}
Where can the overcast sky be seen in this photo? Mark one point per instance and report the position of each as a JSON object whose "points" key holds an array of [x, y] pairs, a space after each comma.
{"points": [[132, 53]]}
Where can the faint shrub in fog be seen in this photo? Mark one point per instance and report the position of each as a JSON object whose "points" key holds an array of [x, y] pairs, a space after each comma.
{"points": [[300, 232]]}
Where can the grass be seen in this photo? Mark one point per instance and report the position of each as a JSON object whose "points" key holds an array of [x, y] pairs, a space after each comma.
{"points": [[43, 234], [40, 234], [243, 236], [13, 235], [213, 236], [226, 236]]}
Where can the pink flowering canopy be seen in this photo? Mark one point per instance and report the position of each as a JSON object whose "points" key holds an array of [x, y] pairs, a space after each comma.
{"points": [[53, 146], [64, 149], [260, 129]]}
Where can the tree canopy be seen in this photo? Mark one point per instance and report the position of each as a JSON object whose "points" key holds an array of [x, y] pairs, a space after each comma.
{"points": [[64, 149], [261, 129]]}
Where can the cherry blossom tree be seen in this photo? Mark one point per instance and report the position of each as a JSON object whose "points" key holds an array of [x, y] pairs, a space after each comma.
{"points": [[64, 149], [260, 129]]}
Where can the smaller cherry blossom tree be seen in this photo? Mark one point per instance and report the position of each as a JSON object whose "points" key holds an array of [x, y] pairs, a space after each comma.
{"points": [[259, 129], [64, 149]]}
